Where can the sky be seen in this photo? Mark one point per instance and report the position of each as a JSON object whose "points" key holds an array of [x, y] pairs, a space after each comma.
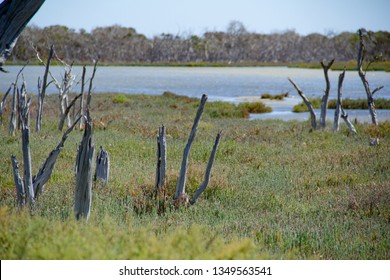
{"points": [[180, 17]]}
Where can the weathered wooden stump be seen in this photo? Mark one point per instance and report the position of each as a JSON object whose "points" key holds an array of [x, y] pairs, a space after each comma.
{"points": [[102, 170]]}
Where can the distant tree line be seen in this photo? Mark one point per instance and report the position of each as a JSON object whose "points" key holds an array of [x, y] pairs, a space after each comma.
{"points": [[117, 44]]}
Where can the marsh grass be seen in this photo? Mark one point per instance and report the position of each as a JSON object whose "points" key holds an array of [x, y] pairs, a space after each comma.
{"points": [[276, 191]]}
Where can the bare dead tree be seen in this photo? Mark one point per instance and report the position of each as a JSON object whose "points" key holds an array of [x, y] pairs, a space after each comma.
{"points": [[207, 175], [362, 75], [82, 108], [102, 170], [339, 102], [351, 127], [180, 194], [84, 162], [308, 104], [25, 118], [89, 96], [161, 158], [42, 90], [325, 97], [14, 16]]}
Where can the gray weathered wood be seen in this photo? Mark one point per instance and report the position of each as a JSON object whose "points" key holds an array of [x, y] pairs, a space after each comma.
{"points": [[89, 96], [362, 75], [42, 91], [181, 182], [82, 107], [84, 162], [65, 114], [102, 171], [14, 16], [2, 104], [325, 97], [207, 175], [20, 193], [339, 102], [308, 104], [25, 118], [44, 173], [351, 127], [161, 158]]}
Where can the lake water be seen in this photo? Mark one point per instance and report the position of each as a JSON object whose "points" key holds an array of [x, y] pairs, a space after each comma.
{"points": [[219, 83]]}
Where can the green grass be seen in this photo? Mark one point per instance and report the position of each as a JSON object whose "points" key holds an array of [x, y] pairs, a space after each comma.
{"points": [[380, 103], [274, 96], [277, 190]]}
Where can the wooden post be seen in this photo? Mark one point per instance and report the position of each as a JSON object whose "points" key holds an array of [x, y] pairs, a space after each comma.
{"points": [[102, 170], [324, 100], [181, 182], [207, 175], [42, 91], [339, 102], [308, 104], [20, 192], [161, 158], [84, 162]]}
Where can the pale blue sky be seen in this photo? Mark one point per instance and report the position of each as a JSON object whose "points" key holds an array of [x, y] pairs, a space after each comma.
{"points": [[153, 17]]}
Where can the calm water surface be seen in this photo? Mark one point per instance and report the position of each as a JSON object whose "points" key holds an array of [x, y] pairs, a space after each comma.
{"points": [[220, 83]]}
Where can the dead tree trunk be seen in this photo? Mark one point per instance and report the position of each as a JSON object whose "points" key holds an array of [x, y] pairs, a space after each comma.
{"points": [[161, 159], [64, 89], [2, 104], [102, 170], [82, 108], [14, 16], [44, 173], [181, 182], [20, 192], [325, 97], [308, 104], [351, 127], [84, 162], [362, 75], [66, 112], [12, 121], [207, 175], [42, 91], [339, 102], [25, 118]]}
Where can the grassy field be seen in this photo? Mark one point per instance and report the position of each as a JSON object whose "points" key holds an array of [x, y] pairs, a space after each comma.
{"points": [[277, 190]]}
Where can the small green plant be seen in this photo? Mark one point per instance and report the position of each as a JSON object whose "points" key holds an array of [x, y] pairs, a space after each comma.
{"points": [[119, 99], [274, 97], [255, 107]]}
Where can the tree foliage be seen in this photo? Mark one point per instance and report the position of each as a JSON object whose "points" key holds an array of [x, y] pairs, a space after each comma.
{"points": [[117, 44]]}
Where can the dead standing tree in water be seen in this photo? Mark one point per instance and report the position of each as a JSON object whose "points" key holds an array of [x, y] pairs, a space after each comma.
{"points": [[325, 97], [14, 16], [362, 75]]}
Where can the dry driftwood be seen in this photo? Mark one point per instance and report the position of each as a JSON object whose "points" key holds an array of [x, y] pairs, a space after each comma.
{"points": [[351, 127], [102, 170], [207, 175], [82, 108], [325, 97], [161, 158], [44, 173], [42, 90], [181, 182], [14, 16], [308, 104], [84, 162]]}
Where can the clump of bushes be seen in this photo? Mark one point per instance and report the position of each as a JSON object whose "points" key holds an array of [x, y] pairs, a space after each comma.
{"points": [[255, 108], [274, 97], [119, 99], [348, 104]]}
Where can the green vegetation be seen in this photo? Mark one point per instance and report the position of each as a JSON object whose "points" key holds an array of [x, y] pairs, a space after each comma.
{"points": [[274, 97], [347, 103], [276, 191]]}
